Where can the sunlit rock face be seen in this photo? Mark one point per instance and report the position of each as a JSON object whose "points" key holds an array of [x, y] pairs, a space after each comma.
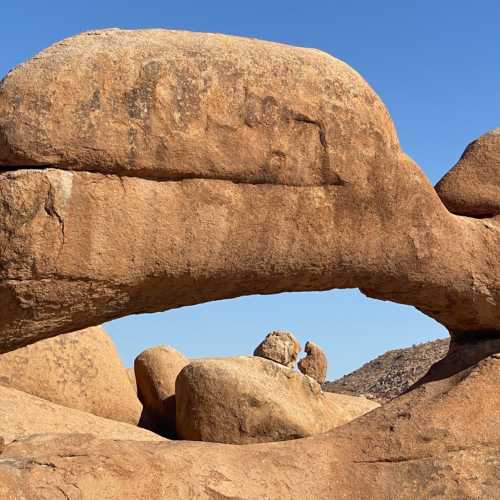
{"points": [[146, 170], [472, 186]]}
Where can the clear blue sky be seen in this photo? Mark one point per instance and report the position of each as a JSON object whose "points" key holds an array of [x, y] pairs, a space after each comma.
{"points": [[436, 65]]}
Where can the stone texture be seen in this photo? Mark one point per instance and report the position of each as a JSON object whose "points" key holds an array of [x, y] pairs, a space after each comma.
{"points": [[176, 105], [131, 377], [155, 371], [252, 400], [391, 374], [23, 415], [472, 186], [348, 408], [199, 208], [421, 445], [203, 144], [80, 370], [279, 346], [314, 364]]}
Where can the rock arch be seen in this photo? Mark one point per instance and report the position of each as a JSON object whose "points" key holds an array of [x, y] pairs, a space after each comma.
{"points": [[142, 173], [153, 169]]}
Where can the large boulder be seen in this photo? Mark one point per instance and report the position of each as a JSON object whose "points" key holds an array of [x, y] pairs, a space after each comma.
{"points": [[251, 400], [315, 363], [155, 372], [176, 105], [80, 370], [279, 346], [472, 186], [22, 415]]}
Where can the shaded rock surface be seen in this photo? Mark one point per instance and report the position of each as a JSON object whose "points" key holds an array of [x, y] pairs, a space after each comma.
{"points": [[472, 186], [391, 374], [80, 370], [155, 372], [23, 415], [315, 364], [251, 400], [279, 346], [421, 445], [218, 137]]}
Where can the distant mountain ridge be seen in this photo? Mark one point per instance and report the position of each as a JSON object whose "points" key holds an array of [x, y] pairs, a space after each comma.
{"points": [[392, 373]]}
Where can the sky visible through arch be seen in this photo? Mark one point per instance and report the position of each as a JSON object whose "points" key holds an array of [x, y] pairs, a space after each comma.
{"points": [[436, 65]]}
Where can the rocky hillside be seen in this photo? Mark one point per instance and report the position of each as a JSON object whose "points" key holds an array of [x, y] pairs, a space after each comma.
{"points": [[389, 375]]}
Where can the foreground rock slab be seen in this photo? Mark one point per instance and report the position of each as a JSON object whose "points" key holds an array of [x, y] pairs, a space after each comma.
{"points": [[22, 415], [421, 445], [80, 370], [253, 400]]}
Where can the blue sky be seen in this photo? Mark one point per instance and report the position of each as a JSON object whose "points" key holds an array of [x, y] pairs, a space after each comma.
{"points": [[436, 65]]}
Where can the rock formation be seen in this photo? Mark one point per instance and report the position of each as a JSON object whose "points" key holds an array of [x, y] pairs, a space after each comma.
{"points": [[22, 415], [80, 370], [143, 171], [279, 346], [315, 364], [155, 372], [184, 134], [391, 374], [421, 445], [472, 186], [254, 400]]}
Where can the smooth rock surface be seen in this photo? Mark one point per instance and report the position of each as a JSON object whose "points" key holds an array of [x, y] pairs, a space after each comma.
{"points": [[250, 400], [80, 370], [155, 372], [131, 377], [314, 364], [472, 186], [421, 445], [177, 105], [279, 346], [348, 408], [23, 415]]}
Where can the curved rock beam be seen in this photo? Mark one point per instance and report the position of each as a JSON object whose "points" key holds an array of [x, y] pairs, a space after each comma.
{"points": [[147, 170]]}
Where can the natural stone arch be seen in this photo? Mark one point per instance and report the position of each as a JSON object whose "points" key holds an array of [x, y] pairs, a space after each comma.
{"points": [[98, 219], [77, 248]]}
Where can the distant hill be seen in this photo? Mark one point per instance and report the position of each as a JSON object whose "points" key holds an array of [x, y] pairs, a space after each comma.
{"points": [[389, 375]]}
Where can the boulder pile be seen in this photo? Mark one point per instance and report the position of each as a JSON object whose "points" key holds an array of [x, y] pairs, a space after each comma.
{"points": [[239, 400]]}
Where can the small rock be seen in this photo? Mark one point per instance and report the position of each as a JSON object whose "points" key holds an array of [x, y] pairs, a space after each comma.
{"points": [[155, 371], [279, 346], [315, 363]]}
